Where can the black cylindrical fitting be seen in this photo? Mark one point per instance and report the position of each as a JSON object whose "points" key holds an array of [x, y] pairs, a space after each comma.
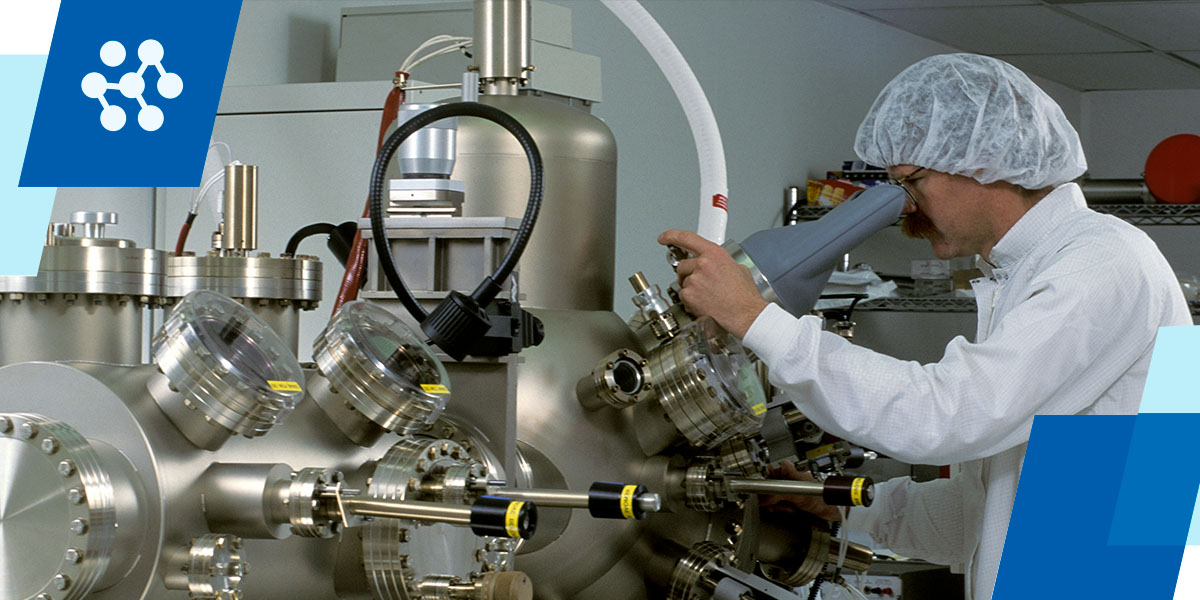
{"points": [[503, 517], [844, 490], [609, 500]]}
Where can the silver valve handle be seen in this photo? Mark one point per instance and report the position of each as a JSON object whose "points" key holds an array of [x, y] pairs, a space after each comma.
{"points": [[604, 499], [90, 223]]}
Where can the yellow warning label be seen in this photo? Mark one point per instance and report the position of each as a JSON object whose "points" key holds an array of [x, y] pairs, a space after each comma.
{"points": [[815, 452], [759, 408], [627, 501], [435, 388], [512, 520], [856, 491], [284, 386]]}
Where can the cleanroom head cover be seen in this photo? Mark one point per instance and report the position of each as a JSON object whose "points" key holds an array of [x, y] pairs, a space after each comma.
{"points": [[974, 116]]}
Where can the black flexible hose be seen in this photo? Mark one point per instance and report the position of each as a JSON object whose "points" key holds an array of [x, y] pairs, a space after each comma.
{"points": [[306, 232], [490, 286]]}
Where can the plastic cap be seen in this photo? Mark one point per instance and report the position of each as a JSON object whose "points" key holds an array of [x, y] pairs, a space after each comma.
{"points": [[971, 115]]}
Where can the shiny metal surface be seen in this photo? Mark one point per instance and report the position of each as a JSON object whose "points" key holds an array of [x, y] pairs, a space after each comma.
{"points": [[239, 229], [619, 380], [375, 362], [760, 281], [775, 486], [571, 447], [55, 480], [691, 578], [213, 568], [297, 279], [501, 44], [707, 385], [89, 223], [228, 367], [576, 239], [87, 300], [429, 151], [398, 554]]}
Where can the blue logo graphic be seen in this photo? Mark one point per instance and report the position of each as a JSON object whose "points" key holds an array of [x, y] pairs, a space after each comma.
{"points": [[132, 85], [114, 56]]}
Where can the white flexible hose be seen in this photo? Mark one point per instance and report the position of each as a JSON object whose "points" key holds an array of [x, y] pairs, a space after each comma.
{"points": [[714, 189]]}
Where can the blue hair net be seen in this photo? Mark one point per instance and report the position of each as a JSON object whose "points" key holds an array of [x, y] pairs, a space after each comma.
{"points": [[975, 116]]}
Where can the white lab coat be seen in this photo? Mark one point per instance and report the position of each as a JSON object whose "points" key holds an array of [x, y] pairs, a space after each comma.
{"points": [[1067, 320]]}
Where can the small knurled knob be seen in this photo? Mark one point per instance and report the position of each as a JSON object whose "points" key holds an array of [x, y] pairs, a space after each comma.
{"points": [[90, 223]]}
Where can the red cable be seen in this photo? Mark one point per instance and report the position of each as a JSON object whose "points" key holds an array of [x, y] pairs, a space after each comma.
{"points": [[356, 264]]}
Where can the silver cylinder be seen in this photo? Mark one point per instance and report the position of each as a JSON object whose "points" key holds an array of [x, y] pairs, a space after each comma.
{"points": [[247, 499], [775, 486], [241, 208], [1112, 191], [575, 238], [429, 151], [501, 44], [416, 510]]}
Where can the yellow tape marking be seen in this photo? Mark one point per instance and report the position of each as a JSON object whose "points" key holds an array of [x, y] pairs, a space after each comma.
{"points": [[627, 501], [759, 408], [815, 452], [856, 491], [512, 520], [285, 386], [435, 388]]}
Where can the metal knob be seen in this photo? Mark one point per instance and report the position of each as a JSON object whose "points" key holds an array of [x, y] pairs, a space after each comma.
{"points": [[90, 223]]}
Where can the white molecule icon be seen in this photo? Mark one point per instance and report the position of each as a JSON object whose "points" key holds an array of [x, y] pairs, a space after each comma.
{"points": [[132, 85]]}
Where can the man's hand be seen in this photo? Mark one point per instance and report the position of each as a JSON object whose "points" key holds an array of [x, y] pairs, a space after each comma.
{"points": [[809, 504], [713, 285]]}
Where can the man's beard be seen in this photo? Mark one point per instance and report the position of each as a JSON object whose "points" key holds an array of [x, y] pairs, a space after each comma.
{"points": [[917, 225]]}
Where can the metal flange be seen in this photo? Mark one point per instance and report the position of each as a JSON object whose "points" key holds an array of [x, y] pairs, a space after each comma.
{"points": [[57, 511]]}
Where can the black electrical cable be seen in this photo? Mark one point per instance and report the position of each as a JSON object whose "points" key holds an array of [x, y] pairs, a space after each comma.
{"points": [[306, 232], [490, 286]]}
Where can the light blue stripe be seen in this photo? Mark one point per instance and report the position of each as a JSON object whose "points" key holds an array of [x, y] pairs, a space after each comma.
{"points": [[1193, 538], [1173, 383], [26, 210]]}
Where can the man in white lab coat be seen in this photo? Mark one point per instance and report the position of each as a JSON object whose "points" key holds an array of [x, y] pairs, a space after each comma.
{"points": [[1069, 306]]}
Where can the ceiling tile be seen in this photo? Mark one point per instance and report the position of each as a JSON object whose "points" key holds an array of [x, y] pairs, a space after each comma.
{"points": [[1004, 29], [1164, 25], [881, 4], [1110, 71]]}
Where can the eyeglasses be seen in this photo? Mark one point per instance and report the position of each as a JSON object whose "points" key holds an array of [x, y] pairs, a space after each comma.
{"points": [[900, 181]]}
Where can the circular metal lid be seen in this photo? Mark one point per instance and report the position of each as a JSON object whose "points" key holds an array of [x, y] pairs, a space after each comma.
{"points": [[399, 554], [229, 363], [57, 517], [389, 374], [296, 278]]}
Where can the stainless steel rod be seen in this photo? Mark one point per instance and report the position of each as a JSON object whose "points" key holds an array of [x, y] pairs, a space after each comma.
{"points": [[558, 498], [775, 486], [408, 509]]}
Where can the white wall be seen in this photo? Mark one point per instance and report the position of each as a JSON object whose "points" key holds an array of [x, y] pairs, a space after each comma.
{"points": [[1119, 129]]}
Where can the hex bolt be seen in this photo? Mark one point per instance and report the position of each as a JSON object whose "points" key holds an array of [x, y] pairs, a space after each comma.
{"points": [[42, 597], [76, 496], [73, 556], [61, 582], [66, 468], [49, 445], [5, 425], [79, 527], [27, 430]]}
